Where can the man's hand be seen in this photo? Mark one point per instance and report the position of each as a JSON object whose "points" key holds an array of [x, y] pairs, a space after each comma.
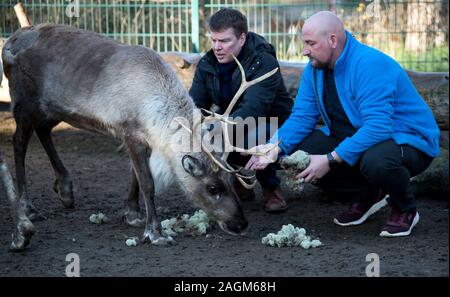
{"points": [[261, 162], [317, 168]]}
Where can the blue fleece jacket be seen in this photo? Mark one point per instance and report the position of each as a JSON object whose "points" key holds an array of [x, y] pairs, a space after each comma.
{"points": [[378, 97]]}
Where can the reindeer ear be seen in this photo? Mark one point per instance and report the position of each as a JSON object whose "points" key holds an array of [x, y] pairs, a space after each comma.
{"points": [[193, 166]]}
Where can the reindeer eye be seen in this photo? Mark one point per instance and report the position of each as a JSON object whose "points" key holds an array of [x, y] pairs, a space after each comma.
{"points": [[213, 190]]}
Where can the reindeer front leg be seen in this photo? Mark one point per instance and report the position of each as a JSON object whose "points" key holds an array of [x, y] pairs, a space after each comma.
{"points": [[24, 229], [133, 215], [139, 155]]}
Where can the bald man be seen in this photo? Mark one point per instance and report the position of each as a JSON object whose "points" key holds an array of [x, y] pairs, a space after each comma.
{"points": [[378, 131]]}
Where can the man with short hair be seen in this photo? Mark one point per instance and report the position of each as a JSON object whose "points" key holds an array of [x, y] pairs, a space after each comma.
{"points": [[378, 131], [217, 79]]}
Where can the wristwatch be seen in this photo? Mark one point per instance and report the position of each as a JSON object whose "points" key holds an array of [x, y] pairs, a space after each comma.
{"points": [[332, 161]]}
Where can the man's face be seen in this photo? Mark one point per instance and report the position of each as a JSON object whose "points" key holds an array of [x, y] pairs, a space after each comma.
{"points": [[317, 48], [225, 43]]}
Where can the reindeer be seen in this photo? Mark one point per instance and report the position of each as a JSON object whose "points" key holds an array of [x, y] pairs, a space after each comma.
{"points": [[60, 73]]}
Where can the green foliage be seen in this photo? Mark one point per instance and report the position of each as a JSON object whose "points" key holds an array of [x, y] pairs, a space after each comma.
{"points": [[434, 60]]}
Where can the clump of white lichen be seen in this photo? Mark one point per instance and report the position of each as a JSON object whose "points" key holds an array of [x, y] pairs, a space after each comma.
{"points": [[290, 236], [99, 218], [133, 241], [293, 165], [194, 225]]}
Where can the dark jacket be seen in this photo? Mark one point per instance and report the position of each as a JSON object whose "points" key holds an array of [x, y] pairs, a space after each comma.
{"points": [[267, 98]]}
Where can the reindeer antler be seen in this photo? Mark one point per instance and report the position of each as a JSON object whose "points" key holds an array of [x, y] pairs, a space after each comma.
{"points": [[245, 85], [224, 120]]}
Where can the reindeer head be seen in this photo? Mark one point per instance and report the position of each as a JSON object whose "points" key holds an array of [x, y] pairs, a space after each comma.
{"points": [[213, 178], [212, 189]]}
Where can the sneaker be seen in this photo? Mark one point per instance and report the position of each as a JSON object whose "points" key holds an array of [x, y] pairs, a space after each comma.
{"points": [[274, 201], [400, 223], [359, 212]]}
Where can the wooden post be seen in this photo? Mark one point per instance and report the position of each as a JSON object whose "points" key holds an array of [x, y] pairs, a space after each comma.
{"points": [[20, 13]]}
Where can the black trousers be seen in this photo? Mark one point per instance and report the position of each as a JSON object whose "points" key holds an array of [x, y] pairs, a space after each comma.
{"points": [[386, 166]]}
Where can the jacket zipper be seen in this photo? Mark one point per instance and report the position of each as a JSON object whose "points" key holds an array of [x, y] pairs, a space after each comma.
{"points": [[322, 112]]}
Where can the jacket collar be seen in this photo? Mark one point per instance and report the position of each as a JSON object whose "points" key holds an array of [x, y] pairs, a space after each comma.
{"points": [[342, 61]]}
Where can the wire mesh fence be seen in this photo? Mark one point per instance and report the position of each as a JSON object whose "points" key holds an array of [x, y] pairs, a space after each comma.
{"points": [[162, 25], [414, 32]]}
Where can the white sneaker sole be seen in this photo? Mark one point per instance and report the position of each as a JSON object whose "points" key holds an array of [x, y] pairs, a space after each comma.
{"points": [[376, 207], [406, 233]]}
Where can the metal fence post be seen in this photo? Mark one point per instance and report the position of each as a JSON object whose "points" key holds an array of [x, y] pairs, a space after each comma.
{"points": [[195, 23]]}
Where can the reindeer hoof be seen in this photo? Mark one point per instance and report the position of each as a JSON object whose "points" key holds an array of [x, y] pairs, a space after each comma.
{"points": [[65, 193], [22, 237], [158, 240], [134, 218]]}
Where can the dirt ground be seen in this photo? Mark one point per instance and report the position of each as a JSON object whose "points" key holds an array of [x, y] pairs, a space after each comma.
{"points": [[101, 180]]}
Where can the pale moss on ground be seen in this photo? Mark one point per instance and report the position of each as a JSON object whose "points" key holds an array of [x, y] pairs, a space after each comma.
{"points": [[289, 236], [133, 241], [99, 218], [194, 225]]}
